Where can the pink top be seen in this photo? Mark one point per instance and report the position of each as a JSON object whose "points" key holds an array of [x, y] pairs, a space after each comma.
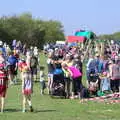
{"points": [[75, 72], [114, 54]]}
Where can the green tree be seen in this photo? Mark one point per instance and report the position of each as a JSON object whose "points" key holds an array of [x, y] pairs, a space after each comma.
{"points": [[28, 30], [53, 31], [114, 36]]}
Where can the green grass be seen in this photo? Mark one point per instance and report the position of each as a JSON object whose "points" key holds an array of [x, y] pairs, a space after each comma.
{"points": [[46, 108]]}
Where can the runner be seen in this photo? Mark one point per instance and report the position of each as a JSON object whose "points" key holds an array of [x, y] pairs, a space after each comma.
{"points": [[3, 85], [12, 67], [27, 88]]}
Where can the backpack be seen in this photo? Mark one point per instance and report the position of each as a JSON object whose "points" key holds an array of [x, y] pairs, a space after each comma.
{"points": [[116, 72], [33, 62]]}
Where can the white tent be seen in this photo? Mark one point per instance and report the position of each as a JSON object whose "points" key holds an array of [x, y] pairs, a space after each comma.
{"points": [[60, 42]]}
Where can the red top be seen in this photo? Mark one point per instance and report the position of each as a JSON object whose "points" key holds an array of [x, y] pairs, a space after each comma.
{"points": [[22, 65], [3, 78]]}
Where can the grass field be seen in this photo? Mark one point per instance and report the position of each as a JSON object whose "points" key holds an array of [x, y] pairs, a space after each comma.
{"points": [[46, 108]]}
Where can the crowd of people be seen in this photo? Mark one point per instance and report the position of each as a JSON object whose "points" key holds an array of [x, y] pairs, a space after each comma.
{"points": [[68, 74], [15, 59], [65, 71]]}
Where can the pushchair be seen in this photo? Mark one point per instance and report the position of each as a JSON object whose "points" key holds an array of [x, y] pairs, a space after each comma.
{"points": [[58, 86]]}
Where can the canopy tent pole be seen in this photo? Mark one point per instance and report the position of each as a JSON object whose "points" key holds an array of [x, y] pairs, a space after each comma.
{"points": [[102, 49], [87, 50], [97, 49], [109, 45]]}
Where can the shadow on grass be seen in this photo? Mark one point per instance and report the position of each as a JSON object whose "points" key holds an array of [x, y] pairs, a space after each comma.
{"points": [[12, 110], [37, 111]]}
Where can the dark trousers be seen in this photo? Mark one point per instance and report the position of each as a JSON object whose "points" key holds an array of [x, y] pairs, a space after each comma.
{"points": [[76, 85], [67, 86]]}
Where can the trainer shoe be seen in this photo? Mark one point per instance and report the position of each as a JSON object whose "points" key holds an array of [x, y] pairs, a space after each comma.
{"points": [[2, 111], [23, 111], [31, 109]]}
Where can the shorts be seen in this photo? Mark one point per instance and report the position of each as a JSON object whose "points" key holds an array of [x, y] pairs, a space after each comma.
{"points": [[50, 76], [27, 92], [11, 70], [2, 91]]}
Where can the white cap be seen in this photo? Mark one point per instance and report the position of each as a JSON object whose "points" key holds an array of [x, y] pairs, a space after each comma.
{"points": [[35, 47], [1, 43]]}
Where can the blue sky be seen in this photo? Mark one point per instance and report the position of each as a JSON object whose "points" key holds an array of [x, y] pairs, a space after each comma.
{"points": [[100, 16]]}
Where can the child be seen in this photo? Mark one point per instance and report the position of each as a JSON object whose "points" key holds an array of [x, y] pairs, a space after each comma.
{"points": [[3, 85], [42, 80], [50, 64], [26, 87], [105, 82]]}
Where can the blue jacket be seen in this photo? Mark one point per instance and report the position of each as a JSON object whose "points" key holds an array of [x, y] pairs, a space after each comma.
{"points": [[12, 60]]}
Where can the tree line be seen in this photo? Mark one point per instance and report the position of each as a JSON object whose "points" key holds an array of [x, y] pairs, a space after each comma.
{"points": [[29, 30], [115, 36]]}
